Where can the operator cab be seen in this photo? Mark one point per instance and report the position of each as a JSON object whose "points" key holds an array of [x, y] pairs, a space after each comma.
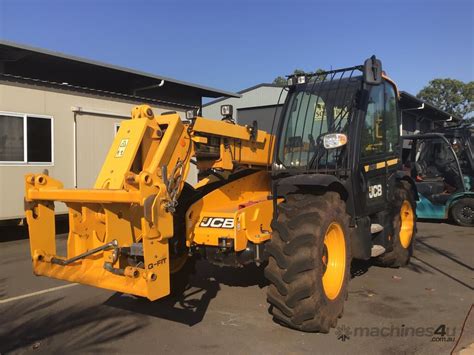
{"points": [[435, 169], [317, 115], [344, 123], [337, 191]]}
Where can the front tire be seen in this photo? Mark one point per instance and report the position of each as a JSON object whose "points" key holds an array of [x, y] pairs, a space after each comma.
{"points": [[309, 262]]}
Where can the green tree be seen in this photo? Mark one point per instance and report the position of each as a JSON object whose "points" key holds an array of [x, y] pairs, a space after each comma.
{"points": [[450, 95], [281, 80]]}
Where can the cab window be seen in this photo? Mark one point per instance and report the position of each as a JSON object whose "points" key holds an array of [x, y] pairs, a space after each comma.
{"points": [[373, 133], [391, 122], [380, 133]]}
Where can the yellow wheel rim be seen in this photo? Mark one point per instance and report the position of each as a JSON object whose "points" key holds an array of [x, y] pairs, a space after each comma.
{"points": [[177, 263], [334, 260], [407, 221]]}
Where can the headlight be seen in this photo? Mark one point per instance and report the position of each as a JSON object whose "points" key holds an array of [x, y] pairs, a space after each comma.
{"points": [[302, 79], [227, 110], [334, 140], [191, 114]]}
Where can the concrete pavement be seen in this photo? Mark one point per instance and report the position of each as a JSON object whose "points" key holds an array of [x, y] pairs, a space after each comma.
{"points": [[225, 311]]}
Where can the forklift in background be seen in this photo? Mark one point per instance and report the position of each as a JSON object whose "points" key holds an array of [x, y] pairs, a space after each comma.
{"points": [[442, 164]]}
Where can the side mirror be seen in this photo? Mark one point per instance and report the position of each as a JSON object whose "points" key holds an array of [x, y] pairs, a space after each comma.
{"points": [[373, 71]]}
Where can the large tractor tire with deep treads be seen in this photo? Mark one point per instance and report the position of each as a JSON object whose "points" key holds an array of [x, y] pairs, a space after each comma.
{"points": [[403, 227], [309, 262]]}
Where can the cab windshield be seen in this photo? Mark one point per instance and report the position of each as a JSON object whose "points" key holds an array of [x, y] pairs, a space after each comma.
{"points": [[313, 110]]}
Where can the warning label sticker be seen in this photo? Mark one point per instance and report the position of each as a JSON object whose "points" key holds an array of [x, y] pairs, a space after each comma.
{"points": [[121, 148]]}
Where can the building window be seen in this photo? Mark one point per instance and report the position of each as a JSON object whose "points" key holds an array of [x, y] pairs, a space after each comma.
{"points": [[11, 139], [116, 128], [26, 139]]}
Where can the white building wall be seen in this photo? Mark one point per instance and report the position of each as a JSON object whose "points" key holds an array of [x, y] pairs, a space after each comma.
{"points": [[94, 136]]}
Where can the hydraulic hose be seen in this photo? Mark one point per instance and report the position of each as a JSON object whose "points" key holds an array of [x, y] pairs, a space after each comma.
{"points": [[112, 244]]}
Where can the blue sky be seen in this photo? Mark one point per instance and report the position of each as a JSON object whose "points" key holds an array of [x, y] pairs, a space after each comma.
{"points": [[232, 45]]}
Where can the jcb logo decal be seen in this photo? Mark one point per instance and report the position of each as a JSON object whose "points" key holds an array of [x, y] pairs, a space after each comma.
{"points": [[217, 222], [375, 191]]}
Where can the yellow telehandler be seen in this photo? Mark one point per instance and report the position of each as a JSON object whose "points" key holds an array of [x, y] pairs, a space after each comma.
{"points": [[303, 202]]}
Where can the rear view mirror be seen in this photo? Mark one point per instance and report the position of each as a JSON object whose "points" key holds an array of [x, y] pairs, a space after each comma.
{"points": [[373, 71]]}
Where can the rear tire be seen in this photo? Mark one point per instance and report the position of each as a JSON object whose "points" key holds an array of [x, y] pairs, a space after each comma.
{"points": [[404, 227], [462, 212], [182, 265], [309, 262], [179, 279]]}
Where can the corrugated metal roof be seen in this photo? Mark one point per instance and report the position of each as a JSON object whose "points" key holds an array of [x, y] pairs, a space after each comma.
{"points": [[66, 86], [244, 91], [411, 102], [20, 49]]}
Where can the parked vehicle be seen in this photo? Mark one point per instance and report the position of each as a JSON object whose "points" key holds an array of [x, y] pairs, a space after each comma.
{"points": [[442, 165], [324, 190]]}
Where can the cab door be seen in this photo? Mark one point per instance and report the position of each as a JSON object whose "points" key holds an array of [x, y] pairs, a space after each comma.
{"points": [[379, 148]]}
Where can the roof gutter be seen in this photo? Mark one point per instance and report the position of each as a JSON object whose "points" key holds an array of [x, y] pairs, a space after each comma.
{"points": [[82, 110], [149, 87], [415, 108]]}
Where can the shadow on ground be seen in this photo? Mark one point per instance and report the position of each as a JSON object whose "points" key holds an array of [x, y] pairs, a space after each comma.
{"points": [[3, 287], [32, 325], [9, 233], [437, 221], [190, 307], [423, 245], [13, 230]]}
